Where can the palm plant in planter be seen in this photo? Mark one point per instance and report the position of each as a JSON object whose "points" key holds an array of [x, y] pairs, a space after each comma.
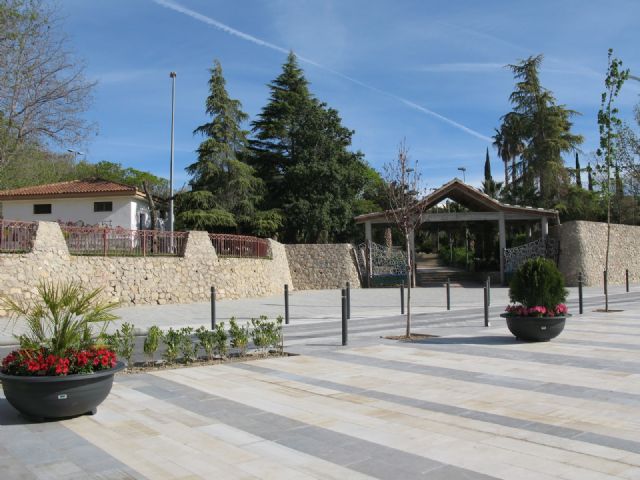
{"points": [[59, 371], [537, 291]]}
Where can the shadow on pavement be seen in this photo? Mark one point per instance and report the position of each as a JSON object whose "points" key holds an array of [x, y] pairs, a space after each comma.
{"points": [[485, 340]]}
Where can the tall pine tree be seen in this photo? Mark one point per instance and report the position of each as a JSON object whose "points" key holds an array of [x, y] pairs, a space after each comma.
{"points": [[225, 189], [544, 132], [301, 152]]}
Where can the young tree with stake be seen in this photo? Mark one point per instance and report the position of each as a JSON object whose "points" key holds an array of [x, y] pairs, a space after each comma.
{"points": [[403, 191], [609, 123]]}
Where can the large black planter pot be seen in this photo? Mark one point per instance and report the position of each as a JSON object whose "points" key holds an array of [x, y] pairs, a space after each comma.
{"points": [[41, 398], [535, 329]]}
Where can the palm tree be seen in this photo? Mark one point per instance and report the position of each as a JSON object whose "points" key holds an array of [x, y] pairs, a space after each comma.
{"points": [[510, 144]]}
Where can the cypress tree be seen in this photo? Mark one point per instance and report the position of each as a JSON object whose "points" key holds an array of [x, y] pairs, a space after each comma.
{"points": [[578, 172], [487, 166], [489, 186], [589, 178]]}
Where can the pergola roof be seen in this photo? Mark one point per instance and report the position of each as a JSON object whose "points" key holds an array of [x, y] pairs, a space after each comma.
{"points": [[470, 197]]}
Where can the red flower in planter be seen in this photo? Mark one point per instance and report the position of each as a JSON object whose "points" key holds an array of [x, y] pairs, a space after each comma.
{"points": [[40, 362]]}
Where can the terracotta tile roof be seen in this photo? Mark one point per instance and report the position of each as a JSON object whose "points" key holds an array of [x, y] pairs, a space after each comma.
{"points": [[76, 188]]}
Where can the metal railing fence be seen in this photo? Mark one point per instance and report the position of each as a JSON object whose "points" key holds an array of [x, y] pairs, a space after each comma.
{"points": [[17, 237], [240, 246], [122, 242]]}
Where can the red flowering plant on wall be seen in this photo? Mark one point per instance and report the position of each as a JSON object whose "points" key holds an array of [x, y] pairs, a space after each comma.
{"points": [[60, 332], [537, 290]]}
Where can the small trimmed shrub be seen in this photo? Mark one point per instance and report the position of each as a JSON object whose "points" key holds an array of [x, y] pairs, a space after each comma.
{"points": [[206, 341], [266, 334], [239, 336], [220, 338], [171, 339], [123, 341], [151, 342], [538, 282], [188, 348]]}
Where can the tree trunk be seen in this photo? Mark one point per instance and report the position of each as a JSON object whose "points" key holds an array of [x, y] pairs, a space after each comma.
{"points": [[152, 205], [606, 257], [506, 174], [409, 276]]}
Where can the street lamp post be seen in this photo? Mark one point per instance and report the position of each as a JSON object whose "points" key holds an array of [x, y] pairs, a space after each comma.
{"points": [[464, 173], [172, 75]]}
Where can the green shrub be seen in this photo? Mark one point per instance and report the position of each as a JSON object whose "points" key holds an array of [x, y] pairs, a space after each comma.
{"points": [[459, 256], [151, 342], [538, 282], [188, 348], [239, 336], [206, 339], [125, 342], [266, 334], [220, 340], [171, 339]]}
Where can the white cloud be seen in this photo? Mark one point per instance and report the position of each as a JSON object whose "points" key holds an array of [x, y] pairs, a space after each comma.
{"points": [[123, 76]]}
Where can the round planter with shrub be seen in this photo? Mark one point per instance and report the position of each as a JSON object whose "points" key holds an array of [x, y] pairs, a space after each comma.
{"points": [[60, 370], [537, 293]]}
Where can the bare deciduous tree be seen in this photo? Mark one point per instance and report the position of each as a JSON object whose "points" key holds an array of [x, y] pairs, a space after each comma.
{"points": [[403, 182], [43, 89]]}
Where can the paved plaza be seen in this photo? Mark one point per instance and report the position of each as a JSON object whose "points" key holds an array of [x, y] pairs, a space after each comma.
{"points": [[470, 403]]}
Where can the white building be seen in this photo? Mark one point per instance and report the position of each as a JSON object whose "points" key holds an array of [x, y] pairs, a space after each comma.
{"points": [[82, 202]]}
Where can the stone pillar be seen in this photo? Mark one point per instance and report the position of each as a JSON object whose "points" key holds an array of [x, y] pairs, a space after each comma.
{"points": [[503, 245], [544, 227]]}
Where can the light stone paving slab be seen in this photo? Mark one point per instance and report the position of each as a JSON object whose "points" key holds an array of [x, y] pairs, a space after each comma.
{"points": [[473, 403]]}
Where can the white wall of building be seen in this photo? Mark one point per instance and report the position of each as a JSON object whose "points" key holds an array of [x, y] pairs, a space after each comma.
{"points": [[124, 214]]}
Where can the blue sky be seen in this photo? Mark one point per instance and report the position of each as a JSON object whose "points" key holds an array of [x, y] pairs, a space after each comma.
{"points": [[428, 71]]}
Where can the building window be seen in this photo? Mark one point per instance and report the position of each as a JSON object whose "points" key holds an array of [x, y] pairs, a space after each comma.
{"points": [[102, 206], [41, 208]]}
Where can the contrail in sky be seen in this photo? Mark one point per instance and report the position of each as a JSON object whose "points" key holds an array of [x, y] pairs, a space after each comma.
{"points": [[245, 36]]}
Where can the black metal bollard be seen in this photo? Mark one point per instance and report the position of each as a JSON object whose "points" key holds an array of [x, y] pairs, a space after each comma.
{"points": [[605, 282], [486, 307], [348, 300], [580, 293], [344, 318], [488, 290], [402, 299], [213, 308], [448, 294], [626, 275], [286, 304]]}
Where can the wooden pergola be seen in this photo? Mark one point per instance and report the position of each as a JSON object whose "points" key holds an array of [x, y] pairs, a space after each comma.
{"points": [[481, 208]]}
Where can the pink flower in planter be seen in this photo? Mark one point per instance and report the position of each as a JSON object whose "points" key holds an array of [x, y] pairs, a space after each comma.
{"points": [[561, 309], [537, 311]]}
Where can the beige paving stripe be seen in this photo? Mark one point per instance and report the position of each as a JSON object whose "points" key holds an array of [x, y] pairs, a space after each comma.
{"points": [[384, 423], [162, 441], [587, 415], [616, 381]]}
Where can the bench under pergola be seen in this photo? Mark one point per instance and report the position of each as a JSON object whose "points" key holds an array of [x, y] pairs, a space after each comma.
{"points": [[482, 208]]}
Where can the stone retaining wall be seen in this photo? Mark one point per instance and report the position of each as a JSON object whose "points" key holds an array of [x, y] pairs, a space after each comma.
{"points": [[322, 266], [583, 248], [160, 280], [143, 280]]}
